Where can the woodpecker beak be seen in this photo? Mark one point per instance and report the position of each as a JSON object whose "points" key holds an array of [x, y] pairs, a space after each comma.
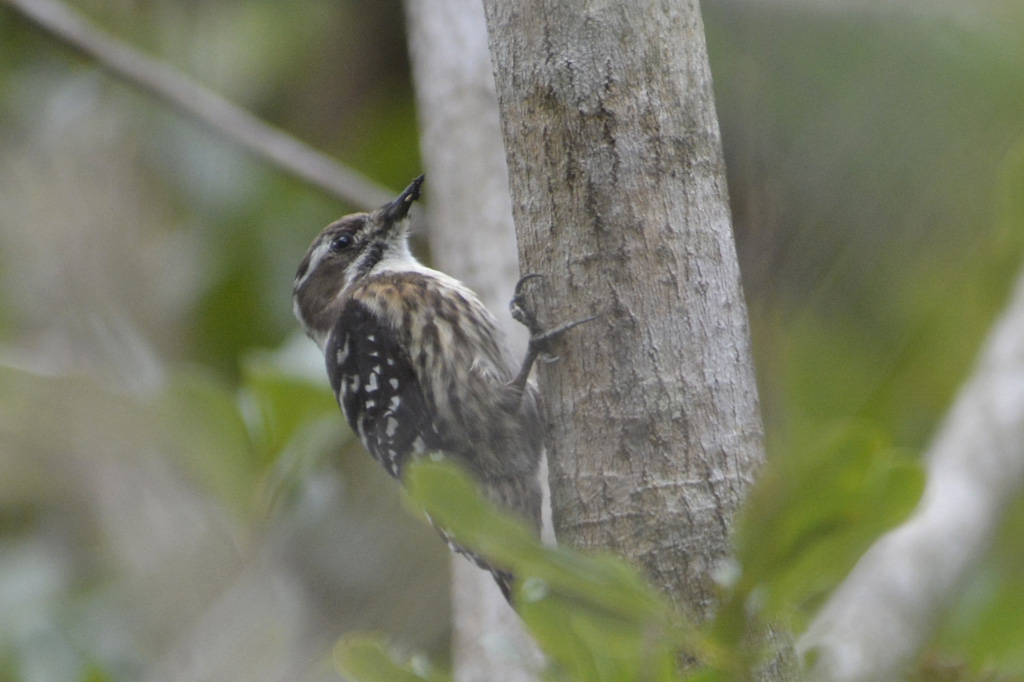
{"points": [[399, 208]]}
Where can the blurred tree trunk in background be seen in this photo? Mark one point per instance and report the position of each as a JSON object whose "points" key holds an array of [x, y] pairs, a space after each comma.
{"points": [[472, 238], [888, 606], [619, 197]]}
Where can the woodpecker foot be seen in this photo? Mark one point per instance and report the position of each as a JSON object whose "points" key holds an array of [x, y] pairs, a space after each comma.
{"points": [[539, 340], [517, 306]]}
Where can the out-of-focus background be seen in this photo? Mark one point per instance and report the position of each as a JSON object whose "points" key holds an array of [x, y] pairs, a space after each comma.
{"points": [[179, 498]]}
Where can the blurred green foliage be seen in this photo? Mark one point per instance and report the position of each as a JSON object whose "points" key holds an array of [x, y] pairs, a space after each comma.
{"points": [[593, 617], [174, 467], [596, 619], [807, 522]]}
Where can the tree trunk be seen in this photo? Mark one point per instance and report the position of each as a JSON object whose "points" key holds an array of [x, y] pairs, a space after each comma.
{"points": [[472, 238], [619, 197]]}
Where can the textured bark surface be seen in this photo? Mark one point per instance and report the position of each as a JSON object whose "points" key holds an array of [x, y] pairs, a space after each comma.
{"points": [[472, 238], [619, 198]]}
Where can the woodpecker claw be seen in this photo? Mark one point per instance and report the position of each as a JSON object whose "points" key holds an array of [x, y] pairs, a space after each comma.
{"points": [[517, 305], [538, 340]]}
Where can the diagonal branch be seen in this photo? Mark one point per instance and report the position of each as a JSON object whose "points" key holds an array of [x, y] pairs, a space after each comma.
{"points": [[188, 96], [885, 610]]}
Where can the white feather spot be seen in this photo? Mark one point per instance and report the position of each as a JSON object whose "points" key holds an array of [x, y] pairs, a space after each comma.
{"points": [[342, 353], [371, 383], [392, 427], [394, 383]]}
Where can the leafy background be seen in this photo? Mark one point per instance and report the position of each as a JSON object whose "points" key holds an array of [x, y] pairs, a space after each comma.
{"points": [[179, 497]]}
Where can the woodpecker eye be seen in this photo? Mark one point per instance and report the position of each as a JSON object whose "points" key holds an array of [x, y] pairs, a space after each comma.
{"points": [[341, 242]]}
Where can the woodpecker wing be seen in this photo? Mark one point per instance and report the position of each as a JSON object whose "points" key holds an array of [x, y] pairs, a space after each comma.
{"points": [[376, 387]]}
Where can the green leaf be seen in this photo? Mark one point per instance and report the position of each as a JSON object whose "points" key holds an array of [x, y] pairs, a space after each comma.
{"points": [[283, 404], [594, 617], [587, 643], [203, 420], [451, 500], [806, 522], [364, 658]]}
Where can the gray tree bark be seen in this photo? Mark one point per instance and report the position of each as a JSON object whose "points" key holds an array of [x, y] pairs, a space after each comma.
{"points": [[619, 198]]}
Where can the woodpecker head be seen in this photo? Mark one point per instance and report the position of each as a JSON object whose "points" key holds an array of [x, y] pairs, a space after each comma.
{"points": [[346, 251]]}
